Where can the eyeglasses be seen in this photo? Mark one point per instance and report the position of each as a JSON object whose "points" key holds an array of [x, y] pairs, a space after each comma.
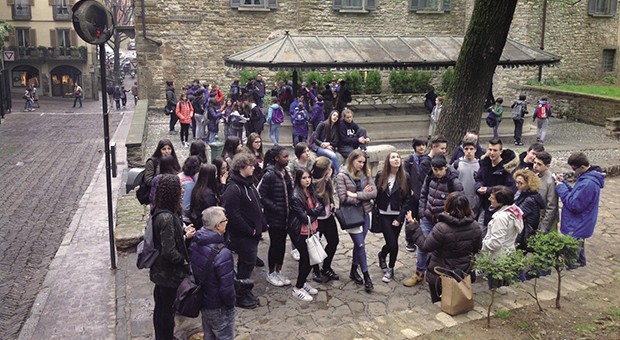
{"points": [[223, 221]]}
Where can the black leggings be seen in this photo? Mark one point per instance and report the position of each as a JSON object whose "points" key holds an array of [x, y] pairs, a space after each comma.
{"points": [[277, 245], [163, 313], [184, 132], [328, 228], [304, 260], [390, 234]]}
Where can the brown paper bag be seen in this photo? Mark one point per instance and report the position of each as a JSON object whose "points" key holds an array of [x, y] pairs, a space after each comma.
{"points": [[456, 297]]}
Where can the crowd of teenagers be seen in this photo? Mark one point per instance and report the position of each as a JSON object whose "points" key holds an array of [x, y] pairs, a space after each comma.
{"points": [[480, 200]]}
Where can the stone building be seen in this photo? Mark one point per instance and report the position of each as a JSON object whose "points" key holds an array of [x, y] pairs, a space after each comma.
{"points": [[196, 37], [44, 51]]}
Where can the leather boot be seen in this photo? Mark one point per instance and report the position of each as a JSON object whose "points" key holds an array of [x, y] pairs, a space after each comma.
{"points": [[368, 283], [244, 297], [355, 276]]}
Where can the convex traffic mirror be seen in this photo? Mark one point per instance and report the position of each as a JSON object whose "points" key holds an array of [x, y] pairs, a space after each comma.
{"points": [[93, 21]]}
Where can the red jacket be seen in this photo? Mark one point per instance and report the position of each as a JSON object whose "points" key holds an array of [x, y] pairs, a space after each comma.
{"points": [[185, 112]]}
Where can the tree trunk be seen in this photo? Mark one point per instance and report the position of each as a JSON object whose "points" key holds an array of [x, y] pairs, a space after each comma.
{"points": [[473, 75], [489, 308], [559, 295]]}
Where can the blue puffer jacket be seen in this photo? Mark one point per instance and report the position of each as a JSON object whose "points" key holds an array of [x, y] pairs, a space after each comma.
{"points": [[580, 203], [434, 193], [219, 288]]}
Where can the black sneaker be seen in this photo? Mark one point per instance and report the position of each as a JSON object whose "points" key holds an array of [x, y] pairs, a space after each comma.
{"points": [[411, 247], [317, 277], [259, 262], [329, 274]]}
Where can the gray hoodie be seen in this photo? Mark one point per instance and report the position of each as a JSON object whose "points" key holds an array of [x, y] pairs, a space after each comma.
{"points": [[467, 170]]}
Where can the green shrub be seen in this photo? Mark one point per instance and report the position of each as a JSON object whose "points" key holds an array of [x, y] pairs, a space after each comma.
{"points": [[246, 75], [373, 82], [410, 82], [446, 79], [551, 82], [315, 76], [354, 81], [611, 80], [329, 75]]}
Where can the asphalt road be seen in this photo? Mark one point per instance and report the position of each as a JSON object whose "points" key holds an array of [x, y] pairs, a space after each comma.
{"points": [[47, 160]]}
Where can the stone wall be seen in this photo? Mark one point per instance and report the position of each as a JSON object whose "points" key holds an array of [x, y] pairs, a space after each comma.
{"points": [[579, 107], [196, 39]]}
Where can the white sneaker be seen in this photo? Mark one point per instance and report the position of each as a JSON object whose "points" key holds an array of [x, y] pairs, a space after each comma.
{"points": [[285, 281], [295, 254], [388, 276], [301, 294], [274, 279], [310, 290]]}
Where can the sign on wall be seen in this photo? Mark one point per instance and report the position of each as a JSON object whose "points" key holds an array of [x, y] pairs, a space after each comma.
{"points": [[9, 56]]}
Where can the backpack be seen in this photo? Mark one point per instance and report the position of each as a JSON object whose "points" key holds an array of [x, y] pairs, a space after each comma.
{"points": [[517, 110], [147, 253], [542, 111], [491, 120], [299, 117], [277, 116], [142, 194]]}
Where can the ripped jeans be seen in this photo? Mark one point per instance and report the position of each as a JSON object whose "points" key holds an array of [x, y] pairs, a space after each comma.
{"points": [[359, 246]]}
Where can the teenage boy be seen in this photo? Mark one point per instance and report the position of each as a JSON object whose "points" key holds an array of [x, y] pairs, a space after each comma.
{"points": [[466, 167], [437, 186], [580, 202], [549, 215], [526, 159], [458, 151], [439, 145], [412, 164]]}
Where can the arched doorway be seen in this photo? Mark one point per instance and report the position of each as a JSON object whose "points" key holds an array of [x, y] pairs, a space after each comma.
{"points": [[63, 78], [23, 76]]}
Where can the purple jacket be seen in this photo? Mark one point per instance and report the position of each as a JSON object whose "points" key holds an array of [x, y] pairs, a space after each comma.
{"points": [[317, 115], [300, 129], [218, 290]]}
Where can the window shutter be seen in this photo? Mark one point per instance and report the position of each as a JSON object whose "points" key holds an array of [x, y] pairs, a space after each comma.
{"points": [[30, 2], [413, 5], [12, 38], [273, 4], [337, 4], [371, 5], [235, 3], [592, 7], [447, 5], [74, 38], [33, 37], [10, 2], [614, 7], [53, 38], [51, 2]]}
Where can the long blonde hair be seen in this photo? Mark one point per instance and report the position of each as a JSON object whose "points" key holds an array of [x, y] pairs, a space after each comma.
{"points": [[354, 155]]}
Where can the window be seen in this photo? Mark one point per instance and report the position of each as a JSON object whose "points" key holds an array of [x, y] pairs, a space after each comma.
{"points": [[355, 6], [609, 56], [430, 6], [23, 37], [61, 10], [254, 5], [602, 8], [64, 38], [20, 9]]}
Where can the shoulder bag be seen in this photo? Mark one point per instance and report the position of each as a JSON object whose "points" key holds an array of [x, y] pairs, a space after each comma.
{"points": [[188, 301], [350, 216], [316, 252]]}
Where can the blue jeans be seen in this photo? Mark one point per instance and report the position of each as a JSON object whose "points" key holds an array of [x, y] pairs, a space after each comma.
{"points": [[495, 128], [332, 157], [422, 257], [359, 246], [274, 133], [218, 323]]}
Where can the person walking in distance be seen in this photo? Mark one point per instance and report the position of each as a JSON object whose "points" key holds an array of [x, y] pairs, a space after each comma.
{"points": [[171, 103], [77, 94], [541, 116]]}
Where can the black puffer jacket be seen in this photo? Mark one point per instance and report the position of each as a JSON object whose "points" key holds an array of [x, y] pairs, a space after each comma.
{"points": [[452, 242], [172, 264], [435, 191], [276, 192], [531, 203], [243, 208]]}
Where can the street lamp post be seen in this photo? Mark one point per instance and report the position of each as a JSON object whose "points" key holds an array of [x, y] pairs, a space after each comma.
{"points": [[94, 23]]}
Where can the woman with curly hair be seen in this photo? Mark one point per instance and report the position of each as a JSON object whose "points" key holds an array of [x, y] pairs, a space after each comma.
{"points": [[530, 201], [172, 264]]}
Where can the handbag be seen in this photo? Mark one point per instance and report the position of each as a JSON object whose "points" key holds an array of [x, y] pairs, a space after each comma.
{"points": [[316, 252], [350, 216], [457, 295], [375, 221], [188, 300], [168, 110]]}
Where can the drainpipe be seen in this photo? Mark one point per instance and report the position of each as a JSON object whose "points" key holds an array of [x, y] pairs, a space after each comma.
{"points": [[156, 42], [542, 36]]}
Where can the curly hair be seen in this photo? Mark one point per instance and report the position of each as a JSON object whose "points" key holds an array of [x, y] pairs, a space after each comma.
{"points": [[168, 194], [241, 160], [532, 182]]}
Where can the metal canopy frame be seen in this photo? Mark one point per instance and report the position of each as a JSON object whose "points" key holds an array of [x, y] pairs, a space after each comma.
{"points": [[299, 52]]}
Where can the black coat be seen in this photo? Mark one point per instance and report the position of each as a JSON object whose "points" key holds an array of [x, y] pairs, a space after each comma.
{"points": [[394, 198], [300, 212], [531, 203], [490, 176], [243, 208], [326, 133], [435, 192], [276, 192], [172, 264], [452, 242]]}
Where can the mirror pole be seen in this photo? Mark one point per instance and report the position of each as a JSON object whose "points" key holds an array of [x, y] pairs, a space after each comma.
{"points": [[106, 141]]}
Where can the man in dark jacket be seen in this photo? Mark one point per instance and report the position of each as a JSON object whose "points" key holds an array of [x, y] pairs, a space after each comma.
{"points": [[490, 174], [526, 159], [259, 91], [171, 103], [242, 203], [218, 290], [412, 166]]}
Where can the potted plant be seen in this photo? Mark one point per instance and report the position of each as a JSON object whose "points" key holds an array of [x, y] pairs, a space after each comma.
{"points": [[42, 51], [51, 51], [74, 51], [83, 52]]}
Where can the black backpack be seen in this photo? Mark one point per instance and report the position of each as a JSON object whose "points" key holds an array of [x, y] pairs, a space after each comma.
{"points": [[143, 192]]}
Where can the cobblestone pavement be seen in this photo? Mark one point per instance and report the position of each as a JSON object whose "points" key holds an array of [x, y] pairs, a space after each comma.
{"points": [[48, 158], [343, 310]]}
